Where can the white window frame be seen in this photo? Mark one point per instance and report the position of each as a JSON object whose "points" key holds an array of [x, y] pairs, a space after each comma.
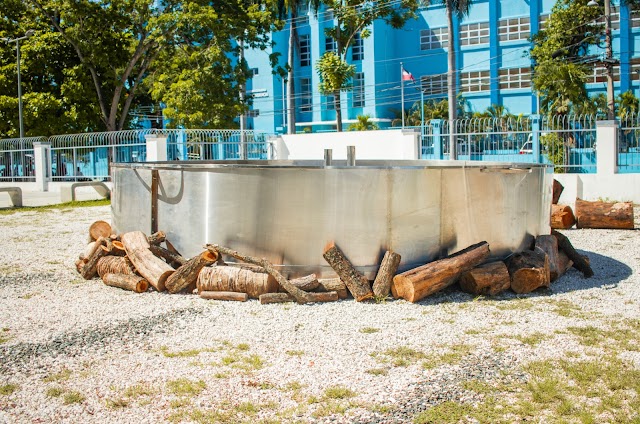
{"points": [[513, 29], [434, 38], [305, 50], [305, 95], [474, 34], [358, 98]]}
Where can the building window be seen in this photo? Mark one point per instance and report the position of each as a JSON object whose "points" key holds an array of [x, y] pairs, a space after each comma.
{"points": [[635, 19], [475, 81], [615, 20], [434, 84], [330, 103], [436, 38], [357, 50], [358, 89], [542, 21], [330, 45], [305, 50], [303, 14], [513, 78], [474, 34], [254, 72], [253, 113], [328, 15], [514, 29], [599, 75], [305, 94]]}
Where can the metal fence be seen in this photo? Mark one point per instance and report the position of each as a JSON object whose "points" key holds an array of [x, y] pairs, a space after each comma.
{"points": [[567, 142], [629, 144], [16, 159]]}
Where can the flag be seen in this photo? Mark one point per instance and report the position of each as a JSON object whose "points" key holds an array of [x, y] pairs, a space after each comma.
{"points": [[406, 76]]}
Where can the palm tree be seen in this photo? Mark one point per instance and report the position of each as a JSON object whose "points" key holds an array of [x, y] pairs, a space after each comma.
{"points": [[363, 124], [461, 9], [290, 8]]}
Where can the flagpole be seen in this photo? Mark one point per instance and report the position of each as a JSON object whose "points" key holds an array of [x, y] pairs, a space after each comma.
{"points": [[402, 91]]}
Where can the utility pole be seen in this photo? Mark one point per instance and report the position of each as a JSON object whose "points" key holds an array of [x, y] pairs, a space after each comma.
{"points": [[609, 61]]}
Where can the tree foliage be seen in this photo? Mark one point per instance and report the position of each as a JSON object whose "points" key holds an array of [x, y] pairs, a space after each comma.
{"points": [[364, 124]]}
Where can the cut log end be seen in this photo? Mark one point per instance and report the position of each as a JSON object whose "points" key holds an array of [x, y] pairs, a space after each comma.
{"points": [[99, 229]]}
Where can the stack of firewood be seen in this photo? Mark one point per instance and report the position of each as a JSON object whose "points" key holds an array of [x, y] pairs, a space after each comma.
{"points": [[134, 261], [598, 214]]}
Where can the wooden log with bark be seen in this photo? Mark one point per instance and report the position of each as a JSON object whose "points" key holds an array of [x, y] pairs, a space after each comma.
{"points": [[88, 269], [187, 274], [386, 272], [529, 270], [157, 238], [286, 297], [232, 279], [549, 245], [118, 248], [606, 215], [579, 261], [88, 250], [562, 217], [333, 284], [487, 280], [172, 259], [425, 280], [306, 283], [224, 295], [564, 263], [557, 192], [300, 295], [114, 265], [99, 229], [153, 269], [127, 282], [357, 284]]}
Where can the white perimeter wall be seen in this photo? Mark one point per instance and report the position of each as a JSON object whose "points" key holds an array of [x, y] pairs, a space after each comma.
{"points": [[391, 145]]}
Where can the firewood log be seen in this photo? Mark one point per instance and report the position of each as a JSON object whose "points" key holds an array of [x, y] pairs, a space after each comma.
{"points": [[89, 268], [357, 284], [557, 192], [88, 250], [384, 277], [529, 270], [152, 268], [126, 281], [564, 263], [487, 280], [232, 279], [114, 265], [549, 245], [425, 280], [99, 229], [286, 297], [118, 248], [224, 295], [187, 274], [306, 283], [157, 238], [579, 261], [562, 217], [617, 216], [333, 284]]}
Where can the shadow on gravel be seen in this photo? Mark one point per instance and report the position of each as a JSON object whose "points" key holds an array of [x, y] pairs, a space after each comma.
{"points": [[608, 273]]}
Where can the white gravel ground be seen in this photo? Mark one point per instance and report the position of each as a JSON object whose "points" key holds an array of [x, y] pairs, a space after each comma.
{"points": [[61, 333]]}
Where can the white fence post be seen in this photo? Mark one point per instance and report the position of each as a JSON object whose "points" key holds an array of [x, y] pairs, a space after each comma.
{"points": [[41, 158], [607, 147], [156, 147]]}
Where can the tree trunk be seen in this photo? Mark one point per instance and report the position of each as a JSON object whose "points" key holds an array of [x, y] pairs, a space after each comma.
{"points": [[99, 229], [114, 265], [357, 284], [557, 192], [126, 281], [579, 261], [451, 83], [425, 280], [617, 216], [384, 277], [152, 268], [549, 245], [338, 107], [286, 297], [187, 274], [224, 295], [291, 88], [562, 217], [227, 278], [529, 270], [333, 284], [487, 280]]}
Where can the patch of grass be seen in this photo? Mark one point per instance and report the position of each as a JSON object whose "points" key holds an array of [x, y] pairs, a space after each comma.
{"points": [[369, 330], [472, 332], [401, 356], [139, 390], [533, 339], [62, 375], [221, 375], [517, 304], [456, 353], [217, 416], [28, 296], [184, 353], [117, 403], [73, 397], [4, 339], [377, 371], [55, 392], [180, 403], [294, 352], [546, 390], [329, 408], [565, 308], [338, 392], [293, 386], [243, 346], [446, 412], [60, 206], [7, 389], [243, 362], [184, 386], [477, 386]]}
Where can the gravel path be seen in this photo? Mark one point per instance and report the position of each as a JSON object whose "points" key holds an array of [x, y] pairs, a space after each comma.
{"points": [[79, 351]]}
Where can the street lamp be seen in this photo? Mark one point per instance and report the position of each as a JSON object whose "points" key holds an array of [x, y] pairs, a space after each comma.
{"points": [[27, 34], [609, 61]]}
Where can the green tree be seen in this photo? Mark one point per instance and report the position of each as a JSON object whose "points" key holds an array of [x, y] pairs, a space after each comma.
{"points": [[364, 124], [353, 17]]}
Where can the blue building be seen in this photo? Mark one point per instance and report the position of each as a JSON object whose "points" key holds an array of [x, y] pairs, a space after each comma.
{"points": [[492, 65]]}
